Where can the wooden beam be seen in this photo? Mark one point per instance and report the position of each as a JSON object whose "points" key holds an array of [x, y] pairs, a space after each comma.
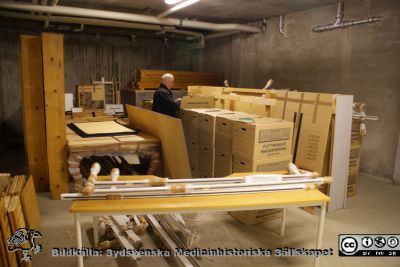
{"points": [[33, 110], [53, 73]]}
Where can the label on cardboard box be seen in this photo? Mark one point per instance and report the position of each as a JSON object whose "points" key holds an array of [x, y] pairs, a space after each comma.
{"points": [[277, 134]]}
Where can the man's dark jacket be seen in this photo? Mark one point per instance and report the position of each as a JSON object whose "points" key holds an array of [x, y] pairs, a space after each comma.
{"points": [[164, 103]]}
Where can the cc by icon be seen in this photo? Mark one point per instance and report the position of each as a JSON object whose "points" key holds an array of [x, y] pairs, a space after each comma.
{"points": [[348, 245]]}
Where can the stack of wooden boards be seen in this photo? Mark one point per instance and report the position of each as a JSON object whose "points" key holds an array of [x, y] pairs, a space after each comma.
{"points": [[18, 209], [221, 142], [354, 161], [43, 103], [150, 79]]}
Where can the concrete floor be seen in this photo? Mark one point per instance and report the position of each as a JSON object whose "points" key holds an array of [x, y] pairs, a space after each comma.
{"points": [[374, 210]]}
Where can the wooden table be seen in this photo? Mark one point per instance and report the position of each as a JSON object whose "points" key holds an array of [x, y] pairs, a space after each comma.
{"points": [[141, 144], [195, 204]]}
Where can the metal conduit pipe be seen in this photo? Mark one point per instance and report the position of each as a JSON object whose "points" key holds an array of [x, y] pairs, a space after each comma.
{"points": [[281, 25], [220, 35], [97, 22], [340, 24], [102, 14]]}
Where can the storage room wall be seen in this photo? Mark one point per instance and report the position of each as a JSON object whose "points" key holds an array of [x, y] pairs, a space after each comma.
{"points": [[86, 56], [363, 60]]}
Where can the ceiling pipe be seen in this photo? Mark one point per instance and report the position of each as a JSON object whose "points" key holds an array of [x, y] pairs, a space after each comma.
{"points": [[220, 35], [341, 24], [281, 26], [93, 13], [102, 23]]}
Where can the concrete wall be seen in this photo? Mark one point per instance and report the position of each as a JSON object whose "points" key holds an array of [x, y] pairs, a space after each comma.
{"points": [[363, 60], [86, 57]]}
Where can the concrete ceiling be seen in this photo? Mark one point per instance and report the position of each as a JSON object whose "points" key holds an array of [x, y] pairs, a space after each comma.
{"points": [[212, 10]]}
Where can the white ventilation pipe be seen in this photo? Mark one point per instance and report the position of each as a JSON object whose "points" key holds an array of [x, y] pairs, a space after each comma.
{"points": [[281, 25], [102, 14], [220, 35], [102, 23]]}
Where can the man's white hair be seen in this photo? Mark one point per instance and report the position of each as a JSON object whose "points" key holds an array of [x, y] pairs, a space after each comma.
{"points": [[167, 77]]}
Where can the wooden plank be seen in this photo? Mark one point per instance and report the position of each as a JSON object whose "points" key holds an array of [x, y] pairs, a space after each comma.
{"points": [[3, 252], [53, 73], [201, 203], [170, 131], [341, 152], [17, 221], [6, 232], [33, 110], [30, 205]]}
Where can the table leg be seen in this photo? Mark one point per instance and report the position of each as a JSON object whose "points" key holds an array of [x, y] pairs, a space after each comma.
{"points": [[96, 231], [283, 222], [78, 237], [320, 231]]}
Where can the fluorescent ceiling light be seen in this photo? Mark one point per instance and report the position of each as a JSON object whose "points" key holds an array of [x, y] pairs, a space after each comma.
{"points": [[176, 7], [184, 4], [172, 2]]}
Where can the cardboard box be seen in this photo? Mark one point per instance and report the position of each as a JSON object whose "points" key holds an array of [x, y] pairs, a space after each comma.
{"points": [[224, 127], [206, 160], [195, 172], [352, 179], [312, 115], [262, 138], [193, 151], [207, 125], [354, 165], [351, 190], [252, 217], [355, 151], [223, 162], [190, 123], [241, 164], [189, 102]]}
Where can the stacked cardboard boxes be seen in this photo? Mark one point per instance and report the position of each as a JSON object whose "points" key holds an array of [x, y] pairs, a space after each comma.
{"points": [[354, 159], [199, 128], [223, 141], [261, 145]]}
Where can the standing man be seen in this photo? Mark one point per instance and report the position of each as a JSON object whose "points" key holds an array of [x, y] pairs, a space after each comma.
{"points": [[163, 101]]}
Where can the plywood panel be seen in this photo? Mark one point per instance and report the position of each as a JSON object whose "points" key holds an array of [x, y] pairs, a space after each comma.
{"points": [[30, 205], [33, 110], [6, 232], [53, 73], [170, 131], [17, 221]]}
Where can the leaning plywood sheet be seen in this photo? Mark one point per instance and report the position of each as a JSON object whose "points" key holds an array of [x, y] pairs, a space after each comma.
{"points": [[170, 132], [17, 221], [3, 252], [53, 73], [6, 232], [30, 205], [33, 110]]}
